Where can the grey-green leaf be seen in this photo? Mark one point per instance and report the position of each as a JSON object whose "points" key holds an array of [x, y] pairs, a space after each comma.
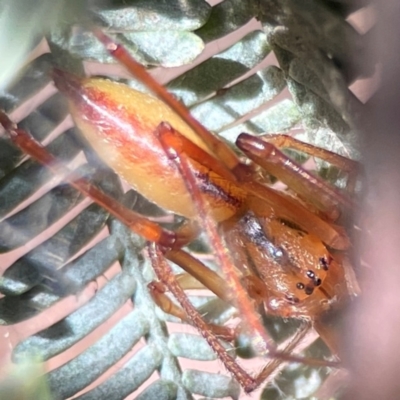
{"points": [[223, 68], [149, 15], [210, 385], [225, 18]]}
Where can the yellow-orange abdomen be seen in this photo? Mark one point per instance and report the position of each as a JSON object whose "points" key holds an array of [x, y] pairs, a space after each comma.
{"points": [[119, 123]]}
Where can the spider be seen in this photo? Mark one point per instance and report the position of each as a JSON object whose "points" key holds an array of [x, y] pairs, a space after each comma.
{"points": [[286, 252]]}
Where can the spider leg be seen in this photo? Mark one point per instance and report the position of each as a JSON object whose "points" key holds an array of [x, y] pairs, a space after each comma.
{"points": [[274, 366], [286, 141], [351, 167], [312, 188]]}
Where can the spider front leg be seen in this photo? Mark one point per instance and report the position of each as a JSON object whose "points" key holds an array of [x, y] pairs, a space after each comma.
{"points": [[313, 189], [351, 167], [285, 141]]}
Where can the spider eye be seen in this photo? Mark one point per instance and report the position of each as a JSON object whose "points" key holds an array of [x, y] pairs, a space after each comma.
{"points": [[323, 261], [310, 274], [300, 286], [309, 290]]}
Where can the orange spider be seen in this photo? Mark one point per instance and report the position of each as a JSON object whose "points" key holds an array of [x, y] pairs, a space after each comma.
{"points": [[285, 250]]}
